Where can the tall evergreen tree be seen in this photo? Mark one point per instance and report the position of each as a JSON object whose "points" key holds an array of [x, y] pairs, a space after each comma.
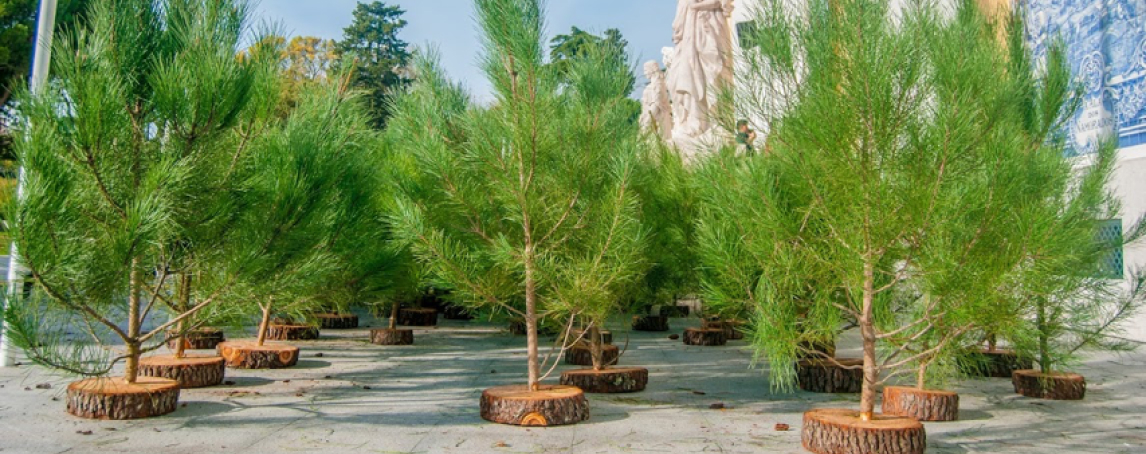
{"points": [[371, 48]]}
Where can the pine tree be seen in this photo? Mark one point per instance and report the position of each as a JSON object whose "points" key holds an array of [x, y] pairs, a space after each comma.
{"points": [[371, 48], [531, 208]]}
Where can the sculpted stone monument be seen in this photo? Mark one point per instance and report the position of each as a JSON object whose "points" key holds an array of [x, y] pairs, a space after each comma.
{"points": [[701, 62], [656, 114]]}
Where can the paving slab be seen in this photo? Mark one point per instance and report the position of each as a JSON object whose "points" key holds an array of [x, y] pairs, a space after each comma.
{"points": [[349, 396]]}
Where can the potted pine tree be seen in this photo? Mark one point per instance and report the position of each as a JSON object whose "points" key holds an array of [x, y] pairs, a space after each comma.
{"points": [[116, 182], [535, 197]]}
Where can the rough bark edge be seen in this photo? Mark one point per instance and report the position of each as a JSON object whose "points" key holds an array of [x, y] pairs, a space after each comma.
{"points": [[821, 376], [921, 404], [607, 381], [539, 408], [580, 355], [1053, 386], [840, 431], [246, 355], [101, 398], [708, 337], [291, 332], [337, 321], [392, 336], [190, 372], [197, 339]]}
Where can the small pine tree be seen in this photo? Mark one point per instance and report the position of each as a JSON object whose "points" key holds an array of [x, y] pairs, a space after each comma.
{"points": [[535, 196]]}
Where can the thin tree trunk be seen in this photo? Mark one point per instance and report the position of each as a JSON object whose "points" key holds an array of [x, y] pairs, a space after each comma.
{"points": [[595, 348], [531, 323], [394, 314], [921, 378], [265, 324], [867, 329], [133, 324], [185, 303], [1044, 343]]}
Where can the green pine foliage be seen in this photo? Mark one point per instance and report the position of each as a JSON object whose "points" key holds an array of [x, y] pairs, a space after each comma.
{"points": [[526, 205], [377, 58]]}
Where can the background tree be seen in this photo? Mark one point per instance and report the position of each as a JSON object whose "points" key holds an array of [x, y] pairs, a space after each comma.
{"points": [[378, 58], [563, 49]]}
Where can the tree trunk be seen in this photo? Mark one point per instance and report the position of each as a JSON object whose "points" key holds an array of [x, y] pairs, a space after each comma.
{"points": [[394, 314], [264, 325], [185, 301], [1044, 342], [595, 348], [531, 324], [131, 371], [867, 329]]}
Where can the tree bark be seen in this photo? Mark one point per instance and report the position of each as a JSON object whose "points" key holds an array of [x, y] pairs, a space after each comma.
{"points": [[582, 355], [185, 301], [189, 371], [131, 368], [337, 321], [607, 381], [247, 355], [545, 406], [291, 332], [531, 321], [397, 306], [206, 338], [867, 330], [1052, 385], [114, 398], [839, 431], [264, 325], [823, 376], [705, 337], [392, 336], [921, 404]]}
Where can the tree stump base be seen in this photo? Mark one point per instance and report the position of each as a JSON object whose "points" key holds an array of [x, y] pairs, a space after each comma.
{"points": [[418, 317], [452, 312], [731, 328], [392, 336], [548, 406], [650, 323], [581, 355], [607, 381], [998, 363], [822, 376], [337, 321], [291, 332], [113, 398], [1052, 385], [606, 336], [840, 431], [708, 337], [921, 404], [189, 371], [196, 339], [249, 355]]}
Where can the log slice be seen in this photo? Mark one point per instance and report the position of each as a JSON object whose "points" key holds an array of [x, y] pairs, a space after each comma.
{"points": [[607, 381], [548, 406], [606, 336], [822, 376], [998, 363], [191, 371], [196, 339], [291, 332], [113, 398], [337, 321], [581, 355], [706, 337], [249, 355], [392, 336], [1052, 385], [840, 431], [650, 323], [418, 317], [921, 404]]}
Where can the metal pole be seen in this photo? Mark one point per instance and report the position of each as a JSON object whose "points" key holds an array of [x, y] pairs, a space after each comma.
{"points": [[41, 60]]}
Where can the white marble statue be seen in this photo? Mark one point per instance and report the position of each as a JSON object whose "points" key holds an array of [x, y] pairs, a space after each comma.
{"points": [[656, 110], [701, 61]]}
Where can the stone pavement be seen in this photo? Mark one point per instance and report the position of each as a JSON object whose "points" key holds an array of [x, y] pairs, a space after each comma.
{"points": [[348, 396]]}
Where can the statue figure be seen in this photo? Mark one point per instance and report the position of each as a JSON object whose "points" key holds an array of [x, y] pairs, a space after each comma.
{"points": [[701, 62], [656, 113]]}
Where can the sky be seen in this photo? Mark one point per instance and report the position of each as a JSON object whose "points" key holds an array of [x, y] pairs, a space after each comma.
{"points": [[449, 26]]}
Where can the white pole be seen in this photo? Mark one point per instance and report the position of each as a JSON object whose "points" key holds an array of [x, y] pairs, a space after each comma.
{"points": [[41, 60]]}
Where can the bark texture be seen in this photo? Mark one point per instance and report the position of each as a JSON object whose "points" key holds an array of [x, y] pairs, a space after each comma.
{"points": [[731, 328], [392, 336], [821, 376], [1053, 385], [418, 317], [292, 332], [196, 339], [921, 404], [607, 381], [707, 337], [839, 431], [548, 406], [189, 371], [248, 355], [996, 363], [650, 323], [337, 321], [113, 398], [582, 355]]}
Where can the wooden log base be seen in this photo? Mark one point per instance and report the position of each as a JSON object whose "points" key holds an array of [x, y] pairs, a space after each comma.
{"points": [[1000, 363], [708, 337], [651, 323], [196, 339], [249, 355], [821, 376], [452, 312], [548, 406], [606, 336], [291, 332], [113, 398], [581, 355], [392, 336], [921, 404], [840, 431], [418, 317], [337, 321], [190, 371], [607, 381], [1053, 385], [731, 328]]}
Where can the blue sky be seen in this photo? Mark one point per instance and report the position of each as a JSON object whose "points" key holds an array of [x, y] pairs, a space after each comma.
{"points": [[449, 25]]}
